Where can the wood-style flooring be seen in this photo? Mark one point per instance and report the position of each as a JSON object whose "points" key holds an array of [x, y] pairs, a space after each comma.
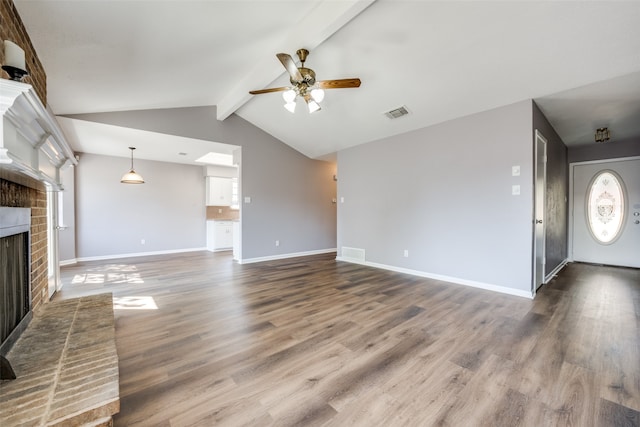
{"points": [[310, 341]]}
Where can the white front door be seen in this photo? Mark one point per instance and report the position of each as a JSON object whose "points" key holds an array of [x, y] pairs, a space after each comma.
{"points": [[606, 212]]}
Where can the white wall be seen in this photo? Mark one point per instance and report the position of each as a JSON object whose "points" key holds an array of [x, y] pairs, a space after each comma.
{"points": [[444, 194], [168, 211], [223, 171]]}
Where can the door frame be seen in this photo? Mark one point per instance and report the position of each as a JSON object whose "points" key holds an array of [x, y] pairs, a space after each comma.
{"points": [[572, 196], [53, 252], [539, 199]]}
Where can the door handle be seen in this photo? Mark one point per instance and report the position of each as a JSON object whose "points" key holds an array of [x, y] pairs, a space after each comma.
{"points": [[538, 221]]}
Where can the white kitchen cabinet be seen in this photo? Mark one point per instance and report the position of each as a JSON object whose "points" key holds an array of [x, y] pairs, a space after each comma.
{"points": [[218, 191], [219, 235]]}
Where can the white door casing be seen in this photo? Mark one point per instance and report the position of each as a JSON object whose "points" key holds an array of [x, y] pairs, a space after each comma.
{"points": [[540, 180], [53, 266]]}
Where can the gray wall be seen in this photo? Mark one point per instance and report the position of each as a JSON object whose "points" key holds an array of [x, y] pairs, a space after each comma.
{"points": [[290, 194], [556, 203], [610, 150], [444, 193], [167, 211]]}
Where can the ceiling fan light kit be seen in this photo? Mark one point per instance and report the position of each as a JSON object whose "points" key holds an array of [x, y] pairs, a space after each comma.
{"points": [[313, 106], [289, 96], [290, 106], [304, 84]]}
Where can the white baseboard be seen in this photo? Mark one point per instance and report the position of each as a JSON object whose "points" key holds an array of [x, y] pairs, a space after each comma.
{"points": [[285, 256], [138, 254], [456, 280], [556, 270], [68, 262]]}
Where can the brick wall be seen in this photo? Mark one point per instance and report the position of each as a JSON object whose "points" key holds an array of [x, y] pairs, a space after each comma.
{"points": [[13, 194], [18, 196], [11, 28]]}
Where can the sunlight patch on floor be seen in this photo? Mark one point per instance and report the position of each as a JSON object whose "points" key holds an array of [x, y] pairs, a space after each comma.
{"points": [[101, 278], [134, 303]]}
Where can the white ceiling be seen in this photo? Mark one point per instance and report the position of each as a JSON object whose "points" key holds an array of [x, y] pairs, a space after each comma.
{"points": [[579, 60], [99, 138]]}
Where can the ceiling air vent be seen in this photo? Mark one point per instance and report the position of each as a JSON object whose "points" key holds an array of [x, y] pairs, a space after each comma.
{"points": [[397, 112]]}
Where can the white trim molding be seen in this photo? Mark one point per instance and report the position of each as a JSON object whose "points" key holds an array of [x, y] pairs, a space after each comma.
{"points": [[139, 254], [31, 141], [285, 256], [555, 271], [455, 280]]}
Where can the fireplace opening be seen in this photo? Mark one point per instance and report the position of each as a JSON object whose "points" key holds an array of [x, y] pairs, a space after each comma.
{"points": [[15, 282]]}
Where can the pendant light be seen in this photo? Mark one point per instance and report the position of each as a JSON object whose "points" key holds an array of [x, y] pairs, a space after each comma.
{"points": [[132, 177]]}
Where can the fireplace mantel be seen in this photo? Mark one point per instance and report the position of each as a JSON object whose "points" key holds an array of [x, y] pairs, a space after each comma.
{"points": [[31, 141]]}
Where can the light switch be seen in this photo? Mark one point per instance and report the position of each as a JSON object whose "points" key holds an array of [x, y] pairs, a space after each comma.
{"points": [[247, 199], [515, 190], [341, 199], [515, 170]]}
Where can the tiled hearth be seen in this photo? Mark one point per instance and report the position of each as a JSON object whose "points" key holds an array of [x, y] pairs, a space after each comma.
{"points": [[66, 366]]}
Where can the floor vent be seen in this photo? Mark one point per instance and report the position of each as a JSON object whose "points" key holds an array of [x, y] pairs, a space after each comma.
{"points": [[355, 254], [398, 112]]}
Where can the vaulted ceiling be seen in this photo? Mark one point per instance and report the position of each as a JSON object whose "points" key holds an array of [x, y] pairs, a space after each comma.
{"points": [[442, 60]]}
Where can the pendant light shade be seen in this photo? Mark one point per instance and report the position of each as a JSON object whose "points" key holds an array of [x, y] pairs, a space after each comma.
{"points": [[313, 106], [317, 95], [289, 95], [132, 177], [290, 106]]}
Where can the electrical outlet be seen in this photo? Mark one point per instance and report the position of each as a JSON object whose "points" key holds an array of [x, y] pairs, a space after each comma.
{"points": [[142, 241], [515, 190], [219, 210], [406, 253], [277, 242]]}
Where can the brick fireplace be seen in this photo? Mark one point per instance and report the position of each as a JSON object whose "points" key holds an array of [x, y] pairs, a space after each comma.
{"points": [[14, 190], [20, 196], [50, 365]]}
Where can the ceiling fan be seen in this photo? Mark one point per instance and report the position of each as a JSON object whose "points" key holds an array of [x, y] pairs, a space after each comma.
{"points": [[304, 84]]}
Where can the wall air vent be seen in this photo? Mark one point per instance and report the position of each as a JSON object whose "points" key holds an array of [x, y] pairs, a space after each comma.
{"points": [[397, 112], [353, 254]]}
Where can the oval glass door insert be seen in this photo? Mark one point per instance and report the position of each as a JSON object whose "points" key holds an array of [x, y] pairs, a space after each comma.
{"points": [[605, 207]]}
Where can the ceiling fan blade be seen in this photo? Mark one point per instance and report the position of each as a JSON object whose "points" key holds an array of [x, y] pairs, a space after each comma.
{"points": [[291, 67], [338, 84], [269, 90]]}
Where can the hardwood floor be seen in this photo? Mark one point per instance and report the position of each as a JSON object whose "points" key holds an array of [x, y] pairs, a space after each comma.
{"points": [[311, 341]]}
